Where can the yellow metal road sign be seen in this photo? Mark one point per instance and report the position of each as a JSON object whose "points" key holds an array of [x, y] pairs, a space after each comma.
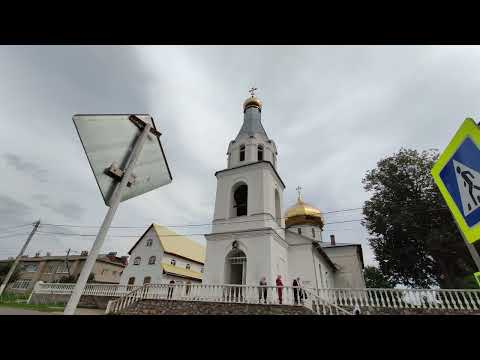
{"points": [[477, 277], [457, 175]]}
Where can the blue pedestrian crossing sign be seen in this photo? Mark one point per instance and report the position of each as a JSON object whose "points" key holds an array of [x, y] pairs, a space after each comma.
{"points": [[457, 175]]}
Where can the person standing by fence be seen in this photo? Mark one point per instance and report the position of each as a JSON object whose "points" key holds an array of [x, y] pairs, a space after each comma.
{"points": [[262, 290], [279, 284], [295, 291], [170, 289]]}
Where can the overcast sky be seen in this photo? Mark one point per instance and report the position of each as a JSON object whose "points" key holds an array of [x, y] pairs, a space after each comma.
{"points": [[333, 112]]}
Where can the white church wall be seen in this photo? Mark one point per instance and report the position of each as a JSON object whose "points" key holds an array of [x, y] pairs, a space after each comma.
{"points": [[144, 269], [257, 247], [306, 230], [279, 260], [349, 274], [261, 184], [251, 150], [310, 266]]}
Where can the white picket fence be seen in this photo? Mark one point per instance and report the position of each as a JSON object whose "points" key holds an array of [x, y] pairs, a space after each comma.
{"points": [[114, 290], [239, 294], [450, 299], [332, 301]]}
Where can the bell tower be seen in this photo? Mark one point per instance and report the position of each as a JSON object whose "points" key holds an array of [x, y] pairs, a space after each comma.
{"points": [[247, 226]]}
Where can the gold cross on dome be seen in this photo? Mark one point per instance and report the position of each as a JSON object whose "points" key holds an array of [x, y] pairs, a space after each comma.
{"points": [[299, 189], [252, 91]]}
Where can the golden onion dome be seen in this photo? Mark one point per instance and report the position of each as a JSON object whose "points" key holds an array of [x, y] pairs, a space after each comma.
{"points": [[303, 213], [252, 101]]}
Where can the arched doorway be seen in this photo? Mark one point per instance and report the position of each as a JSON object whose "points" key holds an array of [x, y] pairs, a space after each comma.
{"points": [[235, 274], [236, 267]]}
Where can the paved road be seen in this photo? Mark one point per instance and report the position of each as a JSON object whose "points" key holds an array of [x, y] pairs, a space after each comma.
{"points": [[13, 311]]}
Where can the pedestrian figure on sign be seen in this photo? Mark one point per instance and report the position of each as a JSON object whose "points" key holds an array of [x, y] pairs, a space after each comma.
{"points": [[262, 290], [170, 289], [279, 284], [466, 180]]}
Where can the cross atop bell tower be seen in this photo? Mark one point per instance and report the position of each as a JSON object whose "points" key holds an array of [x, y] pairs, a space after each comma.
{"points": [[252, 91]]}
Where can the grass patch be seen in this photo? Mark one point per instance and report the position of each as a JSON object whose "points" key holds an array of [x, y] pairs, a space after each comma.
{"points": [[35, 307]]}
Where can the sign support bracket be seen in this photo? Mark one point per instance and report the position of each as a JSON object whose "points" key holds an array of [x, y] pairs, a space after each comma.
{"points": [[114, 202]]}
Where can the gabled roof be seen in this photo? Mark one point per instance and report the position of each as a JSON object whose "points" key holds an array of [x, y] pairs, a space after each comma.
{"points": [[176, 244]]}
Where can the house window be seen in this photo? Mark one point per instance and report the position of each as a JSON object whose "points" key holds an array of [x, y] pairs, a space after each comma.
{"points": [[152, 259], [201, 270], [173, 262], [149, 242], [187, 266], [131, 281], [299, 231], [260, 152], [137, 260], [31, 267], [146, 280], [313, 232], [242, 152]]}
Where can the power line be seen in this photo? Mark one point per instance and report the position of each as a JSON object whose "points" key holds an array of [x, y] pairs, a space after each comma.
{"points": [[172, 235], [15, 226], [12, 235], [227, 222]]}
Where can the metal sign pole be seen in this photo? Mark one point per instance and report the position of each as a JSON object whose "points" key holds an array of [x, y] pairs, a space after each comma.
{"points": [[470, 247], [114, 202]]}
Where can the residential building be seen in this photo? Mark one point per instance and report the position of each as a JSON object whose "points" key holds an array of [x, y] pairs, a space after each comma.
{"points": [[107, 269], [161, 255]]}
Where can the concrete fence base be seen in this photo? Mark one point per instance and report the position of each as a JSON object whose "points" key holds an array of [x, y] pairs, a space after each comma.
{"points": [[86, 301]]}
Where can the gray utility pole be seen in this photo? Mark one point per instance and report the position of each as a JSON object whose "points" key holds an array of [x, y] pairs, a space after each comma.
{"points": [[17, 260], [66, 262], [102, 233]]}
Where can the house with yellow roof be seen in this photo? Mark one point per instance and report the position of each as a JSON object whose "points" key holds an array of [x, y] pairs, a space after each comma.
{"points": [[161, 255]]}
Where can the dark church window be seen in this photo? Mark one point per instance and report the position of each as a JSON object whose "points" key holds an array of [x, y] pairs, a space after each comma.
{"points": [[242, 152], [260, 152], [313, 232], [240, 197], [299, 231]]}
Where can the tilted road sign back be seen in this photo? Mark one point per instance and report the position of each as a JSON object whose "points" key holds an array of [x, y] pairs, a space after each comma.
{"points": [[109, 139]]}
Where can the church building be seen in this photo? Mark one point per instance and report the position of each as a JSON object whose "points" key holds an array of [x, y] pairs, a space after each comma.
{"points": [[250, 238]]}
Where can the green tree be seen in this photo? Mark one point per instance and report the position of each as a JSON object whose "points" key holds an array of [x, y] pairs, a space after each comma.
{"points": [[374, 278], [413, 235]]}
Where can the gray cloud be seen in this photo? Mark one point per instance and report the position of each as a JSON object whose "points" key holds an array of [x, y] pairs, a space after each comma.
{"points": [[26, 167], [13, 209], [333, 112]]}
